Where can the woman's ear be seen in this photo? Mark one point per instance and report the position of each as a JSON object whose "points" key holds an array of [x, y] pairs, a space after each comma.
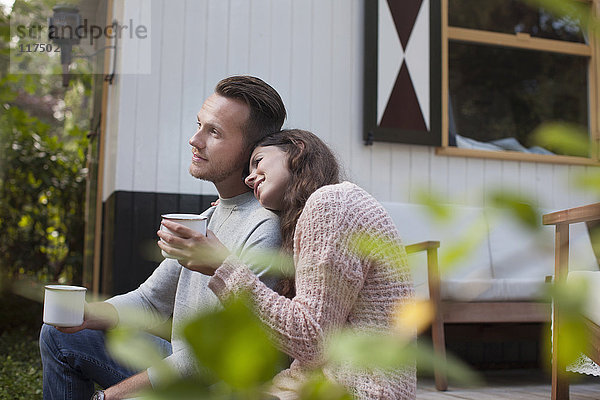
{"points": [[299, 144]]}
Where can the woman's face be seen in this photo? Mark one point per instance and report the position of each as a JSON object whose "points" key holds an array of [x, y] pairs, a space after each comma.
{"points": [[269, 176]]}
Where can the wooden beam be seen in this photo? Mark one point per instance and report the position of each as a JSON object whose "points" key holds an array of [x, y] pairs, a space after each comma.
{"points": [[101, 151], [445, 78], [515, 155], [495, 312], [520, 40]]}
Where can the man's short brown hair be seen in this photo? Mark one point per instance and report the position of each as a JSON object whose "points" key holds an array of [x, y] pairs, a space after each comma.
{"points": [[267, 111]]}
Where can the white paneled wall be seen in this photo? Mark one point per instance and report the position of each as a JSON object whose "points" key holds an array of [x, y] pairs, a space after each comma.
{"points": [[311, 52]]}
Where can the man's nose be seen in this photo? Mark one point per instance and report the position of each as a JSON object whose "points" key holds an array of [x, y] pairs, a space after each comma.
{"points": [[197, 140]]}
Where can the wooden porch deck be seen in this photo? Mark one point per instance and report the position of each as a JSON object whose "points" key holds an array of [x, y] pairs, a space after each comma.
{"points": [[518, 384]]}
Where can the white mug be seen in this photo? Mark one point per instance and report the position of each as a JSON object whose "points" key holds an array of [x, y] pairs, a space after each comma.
{"points": [[64, 305], [193, 221]]}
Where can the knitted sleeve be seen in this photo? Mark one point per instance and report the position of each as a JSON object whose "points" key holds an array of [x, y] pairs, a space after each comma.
{"points": [[328, 280]]}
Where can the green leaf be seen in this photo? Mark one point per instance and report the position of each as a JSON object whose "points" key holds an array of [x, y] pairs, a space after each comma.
{"points": [[25, 221], [463, 246], [563, 138], [589, 182], [234, 346], [435, 205], [577, 11], [137, 350], [318, 387], [573, 339], [519, 207], [391, 352]]}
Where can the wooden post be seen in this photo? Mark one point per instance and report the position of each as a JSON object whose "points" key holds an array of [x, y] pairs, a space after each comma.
{"points": [[560, 383], [101, 151], [437, 326]]}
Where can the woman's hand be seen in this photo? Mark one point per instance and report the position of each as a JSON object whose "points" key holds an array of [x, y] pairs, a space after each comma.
{"points": [[194, 251]]}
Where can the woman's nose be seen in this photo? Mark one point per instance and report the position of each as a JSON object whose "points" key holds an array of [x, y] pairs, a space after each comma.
{"points": [[250, 180]]}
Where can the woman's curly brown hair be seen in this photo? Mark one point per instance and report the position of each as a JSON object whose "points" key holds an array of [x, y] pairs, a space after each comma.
{"points": [[312, 165]]}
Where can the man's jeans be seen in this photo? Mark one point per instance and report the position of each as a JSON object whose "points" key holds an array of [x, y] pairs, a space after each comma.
{"points": [[73, 362]]}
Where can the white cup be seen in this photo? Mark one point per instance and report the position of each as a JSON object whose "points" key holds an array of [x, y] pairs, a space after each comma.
{"points": [[64, 305], [193, 221]]}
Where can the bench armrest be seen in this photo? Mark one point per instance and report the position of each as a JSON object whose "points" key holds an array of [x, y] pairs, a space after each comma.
{"points": [[590, 212], [422, 246], [562, 219], [433, 272]]}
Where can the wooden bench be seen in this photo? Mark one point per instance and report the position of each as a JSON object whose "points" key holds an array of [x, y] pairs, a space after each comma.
{"points": [[501, 281], [562, 220]]}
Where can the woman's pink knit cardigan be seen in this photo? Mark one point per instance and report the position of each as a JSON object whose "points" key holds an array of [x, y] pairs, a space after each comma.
{"points": [[336, 287]]}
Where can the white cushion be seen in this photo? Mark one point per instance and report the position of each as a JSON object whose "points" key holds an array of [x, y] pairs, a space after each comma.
{"points": [[592, 279], [509, 262], [415, 223], [581, 252], [517, 251]]}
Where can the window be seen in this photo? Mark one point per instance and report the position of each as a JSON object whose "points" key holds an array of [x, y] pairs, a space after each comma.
{"points": [[507, 68], [470, 76]]}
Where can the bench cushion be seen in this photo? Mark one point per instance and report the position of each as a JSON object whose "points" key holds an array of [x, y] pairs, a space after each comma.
{"points": [[517, 251], [415, 223], [507, 262]]}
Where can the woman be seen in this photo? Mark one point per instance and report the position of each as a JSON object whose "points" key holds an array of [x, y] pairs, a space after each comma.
{"points": [[336, 286]]}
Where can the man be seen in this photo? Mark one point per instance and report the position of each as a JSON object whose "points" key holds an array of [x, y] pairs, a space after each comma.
{"points": [[242, 110]]}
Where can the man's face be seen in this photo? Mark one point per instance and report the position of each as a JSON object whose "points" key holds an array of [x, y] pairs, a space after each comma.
{"points": [[218, 148]]}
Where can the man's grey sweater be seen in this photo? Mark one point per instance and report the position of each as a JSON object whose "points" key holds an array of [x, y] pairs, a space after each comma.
{"points": [[243, 226]]}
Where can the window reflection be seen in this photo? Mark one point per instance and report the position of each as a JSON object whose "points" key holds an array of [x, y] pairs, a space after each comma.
{"points": [[512, 16], [498, 93]]}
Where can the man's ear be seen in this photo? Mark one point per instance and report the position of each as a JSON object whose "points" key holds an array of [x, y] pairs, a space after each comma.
{"points": [[247, 154]]}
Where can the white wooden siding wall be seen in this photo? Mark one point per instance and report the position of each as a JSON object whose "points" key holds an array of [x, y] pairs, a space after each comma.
{"points": [[311, 52]]}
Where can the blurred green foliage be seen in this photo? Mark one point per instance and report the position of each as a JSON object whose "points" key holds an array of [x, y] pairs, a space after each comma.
{"points": [[43, 147], [577, 11], [234, 345], [235, 356], [573, 339], [392, 351], [563, 138], [318, 387], [520, 208], [20, 364]]}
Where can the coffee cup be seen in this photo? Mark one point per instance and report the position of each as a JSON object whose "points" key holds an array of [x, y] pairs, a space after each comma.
{"points": [[193, 221], [64, 305]]}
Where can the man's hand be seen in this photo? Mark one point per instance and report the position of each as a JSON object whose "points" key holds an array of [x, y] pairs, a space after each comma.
{"points": [[129, 387], [194, 251], [98, 316]]}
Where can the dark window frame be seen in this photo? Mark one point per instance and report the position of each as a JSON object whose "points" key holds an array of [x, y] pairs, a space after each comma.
{"points": [[371, 130]]}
